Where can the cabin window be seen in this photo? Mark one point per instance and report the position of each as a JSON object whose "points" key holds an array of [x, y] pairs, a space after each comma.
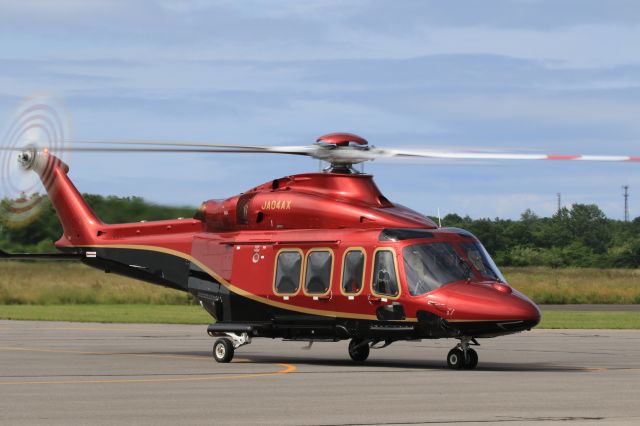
{"points": [[288, 268], [353, 271], [385, 279], [317, 277]]}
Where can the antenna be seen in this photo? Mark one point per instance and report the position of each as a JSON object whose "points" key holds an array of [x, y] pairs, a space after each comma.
{"points": [[625, 194], [559, 201]]}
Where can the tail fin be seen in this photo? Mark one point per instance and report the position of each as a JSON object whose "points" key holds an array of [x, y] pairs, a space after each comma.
{"points": [[79, 223]]}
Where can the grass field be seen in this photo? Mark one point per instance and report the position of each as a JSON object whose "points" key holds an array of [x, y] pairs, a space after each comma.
{"points": [[74, 292], [172, 314], [576, 285], [72, 283], [64, 283], [161, 314]]}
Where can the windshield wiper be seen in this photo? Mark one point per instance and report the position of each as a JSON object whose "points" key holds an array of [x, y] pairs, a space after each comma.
{"points": [[466, 268]]}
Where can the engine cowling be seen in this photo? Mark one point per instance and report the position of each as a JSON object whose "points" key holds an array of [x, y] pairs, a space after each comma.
{"points": [[310, 201]]}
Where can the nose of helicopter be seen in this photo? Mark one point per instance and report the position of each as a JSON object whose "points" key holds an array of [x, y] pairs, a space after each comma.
{"points": [[496, 304]]}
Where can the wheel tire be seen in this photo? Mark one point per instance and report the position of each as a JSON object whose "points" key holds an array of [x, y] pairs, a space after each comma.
{"points": [[223, 350], [358, 350], [455, 359], [472, 359]]}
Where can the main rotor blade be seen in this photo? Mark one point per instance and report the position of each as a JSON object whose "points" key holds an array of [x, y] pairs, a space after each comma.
{"points": [[351, 154], [267, 150], [453, 155], [165, 143], [329, 153]]}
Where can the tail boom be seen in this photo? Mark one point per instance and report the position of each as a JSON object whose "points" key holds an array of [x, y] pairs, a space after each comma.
{"points": [[81, 226]]}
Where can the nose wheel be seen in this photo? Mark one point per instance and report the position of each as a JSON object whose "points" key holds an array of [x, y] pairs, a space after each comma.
{"points": [[462, 356]]}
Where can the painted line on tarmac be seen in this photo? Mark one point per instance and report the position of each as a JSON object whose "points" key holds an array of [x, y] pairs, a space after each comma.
{"points": [[107, 328], [72, 351], [146, 330], [146, 355], [286, 369]]}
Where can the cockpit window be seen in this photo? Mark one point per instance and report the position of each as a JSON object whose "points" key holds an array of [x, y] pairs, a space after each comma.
{"points": [[385, 280], [478, 256], [431, 265]]}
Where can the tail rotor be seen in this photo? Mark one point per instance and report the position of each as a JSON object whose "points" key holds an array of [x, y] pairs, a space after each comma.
{"points": [[39, 124]]}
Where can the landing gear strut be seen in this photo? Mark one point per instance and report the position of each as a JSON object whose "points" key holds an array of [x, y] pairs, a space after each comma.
{"points": [[462, 356], [224, 348]]}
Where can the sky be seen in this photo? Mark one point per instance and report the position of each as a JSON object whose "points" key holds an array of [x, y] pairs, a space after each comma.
{"points": [[539, 76]]}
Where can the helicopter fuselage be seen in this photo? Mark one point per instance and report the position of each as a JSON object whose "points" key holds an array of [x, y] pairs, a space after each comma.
{"points": [[318, 256]]}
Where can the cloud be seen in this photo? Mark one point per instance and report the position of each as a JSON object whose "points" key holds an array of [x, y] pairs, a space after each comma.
{"points": [[535, 75]]}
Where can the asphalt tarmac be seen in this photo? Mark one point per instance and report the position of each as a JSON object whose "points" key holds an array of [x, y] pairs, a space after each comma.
{"points": [[106, 374]]}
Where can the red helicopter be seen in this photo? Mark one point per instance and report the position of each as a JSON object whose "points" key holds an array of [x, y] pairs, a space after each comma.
{"points": [[311, 257]]}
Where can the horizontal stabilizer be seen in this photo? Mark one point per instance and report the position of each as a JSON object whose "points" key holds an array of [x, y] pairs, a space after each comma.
{"points": [[39, 256]]}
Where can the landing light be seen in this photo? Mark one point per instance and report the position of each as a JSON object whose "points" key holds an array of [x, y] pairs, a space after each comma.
{"points": [[501, 287]]}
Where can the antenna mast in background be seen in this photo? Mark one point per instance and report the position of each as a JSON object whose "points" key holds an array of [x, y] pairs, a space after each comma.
{"points": [[625, 189]]}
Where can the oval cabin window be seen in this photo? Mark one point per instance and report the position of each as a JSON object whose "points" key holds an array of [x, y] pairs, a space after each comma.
{"points": [[353, 271], [317, 278], [288, 267]]}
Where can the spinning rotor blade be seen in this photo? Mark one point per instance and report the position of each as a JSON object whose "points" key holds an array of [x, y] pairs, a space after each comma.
{"points": [[322, 151], [171, 147], [153, 149], [37, 118]]}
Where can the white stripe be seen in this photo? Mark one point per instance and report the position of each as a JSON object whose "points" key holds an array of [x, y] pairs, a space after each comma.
{"points": [[604, 158]]}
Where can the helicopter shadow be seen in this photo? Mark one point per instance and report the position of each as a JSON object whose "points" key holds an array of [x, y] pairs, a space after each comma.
{"points": [[388, 365]]}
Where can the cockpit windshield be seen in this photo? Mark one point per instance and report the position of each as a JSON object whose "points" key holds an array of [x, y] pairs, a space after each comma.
{"points": [[478, 256], [431, 265]]}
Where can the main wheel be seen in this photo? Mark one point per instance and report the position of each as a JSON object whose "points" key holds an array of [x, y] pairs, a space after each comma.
{"points": [[223, 350], [359, 350], [472, 359], [455, 359]]}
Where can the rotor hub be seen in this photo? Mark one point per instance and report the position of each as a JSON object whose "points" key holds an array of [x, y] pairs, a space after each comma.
{"points": [[342, 151], [27, 158], [342, 139]]}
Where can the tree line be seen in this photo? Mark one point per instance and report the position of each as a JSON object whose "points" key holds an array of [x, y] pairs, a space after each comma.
{"points": [[576, 236]]}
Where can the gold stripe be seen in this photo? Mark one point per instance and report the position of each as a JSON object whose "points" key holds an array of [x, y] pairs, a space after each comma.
{"points": [[243, 292]]}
